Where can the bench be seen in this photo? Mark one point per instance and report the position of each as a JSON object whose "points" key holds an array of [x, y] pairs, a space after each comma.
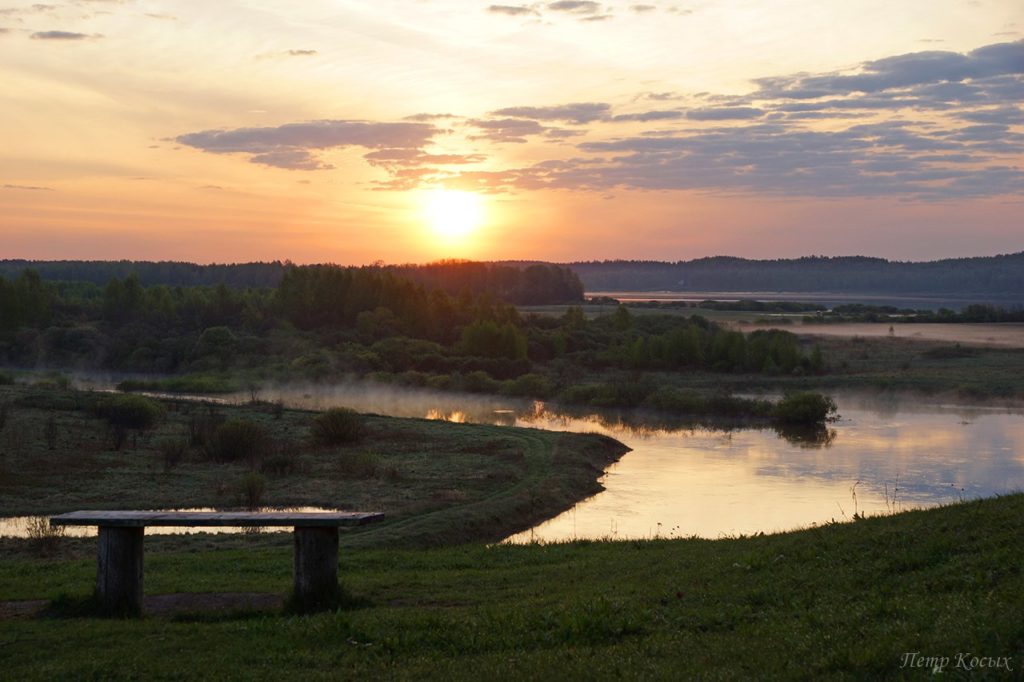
{"points": [[119, 558]]}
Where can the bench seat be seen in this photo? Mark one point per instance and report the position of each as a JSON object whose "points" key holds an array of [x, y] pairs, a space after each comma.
{"points": [[137, 519]]}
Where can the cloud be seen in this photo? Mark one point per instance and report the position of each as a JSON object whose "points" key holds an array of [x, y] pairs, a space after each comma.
{"points": [[925, 126], [641, 9], [644, 116], [301, 53], [580, 112], [1008, 115], [429, 117], [62, 35], [724, 113], [292, 145], [29, 188], [575, 6], [415, 157], [922, 126], [901, 71], [512, 10], [505, 129], [290, 159]]}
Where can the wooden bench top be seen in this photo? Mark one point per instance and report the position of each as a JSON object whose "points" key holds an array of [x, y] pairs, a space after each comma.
{"points": [[135, 519]]}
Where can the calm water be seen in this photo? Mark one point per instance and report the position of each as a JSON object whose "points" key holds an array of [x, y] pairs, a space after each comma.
{"points": [[880, 457], [884, 454]]}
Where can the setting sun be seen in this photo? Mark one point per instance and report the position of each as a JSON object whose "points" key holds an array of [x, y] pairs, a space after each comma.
{"points": [[453, 214]]}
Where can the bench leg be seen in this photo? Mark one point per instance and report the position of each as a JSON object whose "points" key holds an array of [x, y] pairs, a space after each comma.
{"points": [[119, 570], [316, 568]]}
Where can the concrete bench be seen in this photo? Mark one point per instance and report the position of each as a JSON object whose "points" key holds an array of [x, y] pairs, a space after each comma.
{"points": [[119, 560]]}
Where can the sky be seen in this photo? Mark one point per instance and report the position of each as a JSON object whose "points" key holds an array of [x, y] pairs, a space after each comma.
{"points": [[414, 130]]}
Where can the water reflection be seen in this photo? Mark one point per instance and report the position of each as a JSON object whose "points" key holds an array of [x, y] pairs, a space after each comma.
{"points": [[34, 526], [878, 458]]}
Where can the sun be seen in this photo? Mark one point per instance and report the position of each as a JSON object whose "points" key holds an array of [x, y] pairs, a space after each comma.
{"points": [[453, 214]]}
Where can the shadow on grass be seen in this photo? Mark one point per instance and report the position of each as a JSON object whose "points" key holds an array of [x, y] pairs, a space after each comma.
{"points": [[339, 600], [205, 607]]}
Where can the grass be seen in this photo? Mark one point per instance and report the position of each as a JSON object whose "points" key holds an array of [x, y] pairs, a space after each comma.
{"points": [[436, 482], [844, 601]]}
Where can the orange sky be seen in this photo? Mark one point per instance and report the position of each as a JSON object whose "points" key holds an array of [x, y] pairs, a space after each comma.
{"points": [[323, 130]]}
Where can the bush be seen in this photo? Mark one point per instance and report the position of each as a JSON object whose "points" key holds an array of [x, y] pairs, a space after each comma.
{"points": [[172, 452], [250, 490], [124, 413], [479, 382], [337, 426], [530, 385], [804, 408], [237, 439]]}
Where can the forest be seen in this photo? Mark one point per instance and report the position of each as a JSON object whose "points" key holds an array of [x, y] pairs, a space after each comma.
{"points": [[323, 323]]}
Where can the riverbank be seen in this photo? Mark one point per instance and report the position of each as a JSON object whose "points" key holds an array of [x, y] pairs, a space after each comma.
{"points": [[437, 482], [850, 600]]}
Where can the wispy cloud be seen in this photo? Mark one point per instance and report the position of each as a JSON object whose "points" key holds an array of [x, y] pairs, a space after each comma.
{"points": [[579, 112], [63, 36], [293, 145], [301, 53], [29, 188], [512, 10], [575, 6]]}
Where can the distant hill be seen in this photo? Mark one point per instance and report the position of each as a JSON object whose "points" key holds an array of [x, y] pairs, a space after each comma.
{"points": [[1001, 276]]}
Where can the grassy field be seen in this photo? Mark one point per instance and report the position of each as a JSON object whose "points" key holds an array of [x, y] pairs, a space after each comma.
{"points": [[437, 482], [842, 601]]}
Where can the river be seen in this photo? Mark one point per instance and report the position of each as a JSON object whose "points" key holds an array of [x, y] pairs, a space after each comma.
{"points": [[883, 455]]}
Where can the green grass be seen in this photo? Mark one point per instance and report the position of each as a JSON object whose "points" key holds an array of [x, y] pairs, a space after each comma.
{"points": [[843, 601]]}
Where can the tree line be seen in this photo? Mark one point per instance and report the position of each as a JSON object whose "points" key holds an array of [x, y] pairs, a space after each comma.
{"points": [[521, 284], [999, 276]]}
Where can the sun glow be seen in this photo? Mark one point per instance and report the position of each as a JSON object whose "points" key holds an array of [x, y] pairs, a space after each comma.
{"points": [[453, 214]]}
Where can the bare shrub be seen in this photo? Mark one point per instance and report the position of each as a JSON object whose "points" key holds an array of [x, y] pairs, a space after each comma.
{"points": [[173, 451], [201, 427], [43, 537]]}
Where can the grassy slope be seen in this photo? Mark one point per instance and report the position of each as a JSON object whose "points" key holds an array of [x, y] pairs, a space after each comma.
{"points": [[842, 601]]}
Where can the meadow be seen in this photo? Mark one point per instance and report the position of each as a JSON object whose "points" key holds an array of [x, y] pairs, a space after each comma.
{"points": [[843, 601]]}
